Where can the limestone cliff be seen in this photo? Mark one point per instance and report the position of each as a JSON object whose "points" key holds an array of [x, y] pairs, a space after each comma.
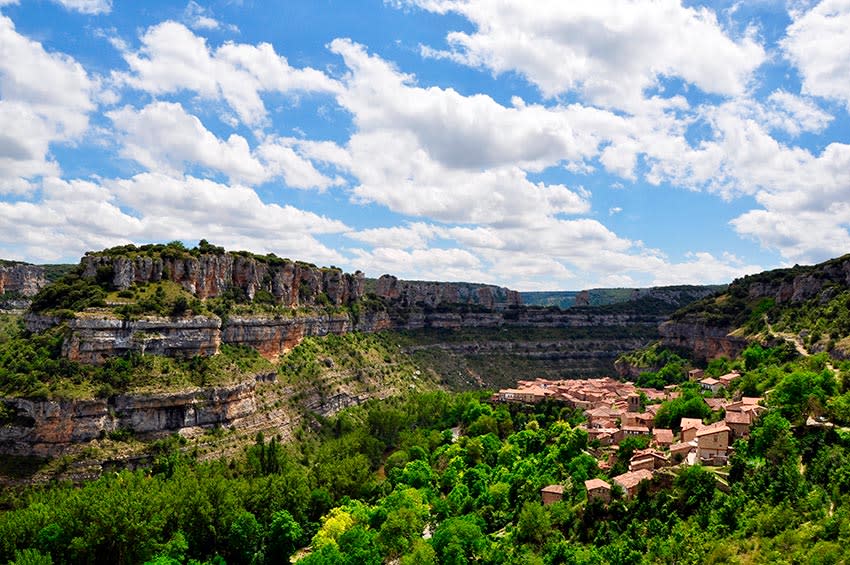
{"points": [[92, 339], [21, 279], [434, 294], [292, 283], [47, 428]]}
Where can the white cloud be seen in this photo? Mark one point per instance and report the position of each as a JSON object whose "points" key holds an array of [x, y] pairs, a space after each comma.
{"points": [[164, 138], [87, 6], [611, 50], [704, 268], [75, 216], [45, 98], [430, 264], [818, 44], [199, 18], [172, 59], [432, 152], [412, 236], [794, 114]]}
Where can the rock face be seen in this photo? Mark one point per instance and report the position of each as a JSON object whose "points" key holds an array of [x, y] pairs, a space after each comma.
{"points": [[706, 342], [434, 294], [274, 336], [291, 283], [21, 278], [46, 428], [710, 335], [94, 340]]}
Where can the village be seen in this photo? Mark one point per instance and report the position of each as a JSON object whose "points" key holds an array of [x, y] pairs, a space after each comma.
{"points": [[615, 410]]}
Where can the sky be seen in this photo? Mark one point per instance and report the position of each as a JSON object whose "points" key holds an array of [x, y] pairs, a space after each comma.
{"points": [[538, 145]]}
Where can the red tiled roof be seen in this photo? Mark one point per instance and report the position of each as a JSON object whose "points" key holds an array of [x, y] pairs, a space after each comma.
{"points": [[713, 429], [592, 484], [738, 417], [632, 478], [688, 423]]}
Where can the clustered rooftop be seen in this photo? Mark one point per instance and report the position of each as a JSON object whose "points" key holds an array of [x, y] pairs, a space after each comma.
{"points": [[614, 411]]}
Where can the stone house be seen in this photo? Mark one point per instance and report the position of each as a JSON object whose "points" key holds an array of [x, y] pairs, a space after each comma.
{"points": [[629, 481], [713, 443], [739, 423], [650, 459], [552, 494], [662, 437], [729, 378], [689, 428], [597, 489], [695, 374], [679, 451], [710, 384]]}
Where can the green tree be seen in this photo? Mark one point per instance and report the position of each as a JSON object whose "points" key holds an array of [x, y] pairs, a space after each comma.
{"points": [[283, 538], [244, 538], [533, 525]]}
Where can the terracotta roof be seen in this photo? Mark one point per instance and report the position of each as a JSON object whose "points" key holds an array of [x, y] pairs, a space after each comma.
{"points": [[681, 446], [632, 478], [662, 435], [688, 423], [738, 417], [592, 484], [638, 429], [751, 399], [709, 381], [555, 489], [716, 403], [713, 429]]}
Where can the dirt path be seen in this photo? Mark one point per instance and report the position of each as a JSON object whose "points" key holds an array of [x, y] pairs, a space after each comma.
{"points": [[798, 343]]}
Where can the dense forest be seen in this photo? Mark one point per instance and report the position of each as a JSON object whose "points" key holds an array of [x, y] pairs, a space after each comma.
{"points": [[443, 477]]}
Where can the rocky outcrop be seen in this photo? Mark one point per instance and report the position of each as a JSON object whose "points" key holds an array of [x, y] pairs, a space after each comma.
{"points": [[706, 342], [21, 278], [291, 283], [96, 339], [46, 428], [93, 338], [274, 336], [434, 294]]}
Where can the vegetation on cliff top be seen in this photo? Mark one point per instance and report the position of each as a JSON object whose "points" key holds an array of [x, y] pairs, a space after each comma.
{"points": [[738, 306], [676, 296]]}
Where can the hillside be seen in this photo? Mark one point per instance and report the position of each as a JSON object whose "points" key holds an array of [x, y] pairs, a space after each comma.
{"points": [[805, 303]]}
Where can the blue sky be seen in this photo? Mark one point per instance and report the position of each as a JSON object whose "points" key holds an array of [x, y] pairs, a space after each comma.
{"points": [[537, 145]]}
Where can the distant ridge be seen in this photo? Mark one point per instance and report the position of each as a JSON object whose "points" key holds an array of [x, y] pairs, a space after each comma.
{"points": [[675, 296]]}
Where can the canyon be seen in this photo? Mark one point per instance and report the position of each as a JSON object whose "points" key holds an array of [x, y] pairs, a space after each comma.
{"points": [[455, 330]]}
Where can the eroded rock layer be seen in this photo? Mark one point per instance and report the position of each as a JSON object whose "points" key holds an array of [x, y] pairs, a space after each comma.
{"points": [[47, 427]]}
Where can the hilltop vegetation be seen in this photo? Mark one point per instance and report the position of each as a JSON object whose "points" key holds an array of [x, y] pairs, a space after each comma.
{"points": [[668, 298]]}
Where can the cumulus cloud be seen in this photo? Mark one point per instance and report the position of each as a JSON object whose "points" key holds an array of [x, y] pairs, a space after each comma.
{"points": [[79, 215], [432, 152], [164, 138], [611, 51], [173, 59], [818, 44], [45, 98]]}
